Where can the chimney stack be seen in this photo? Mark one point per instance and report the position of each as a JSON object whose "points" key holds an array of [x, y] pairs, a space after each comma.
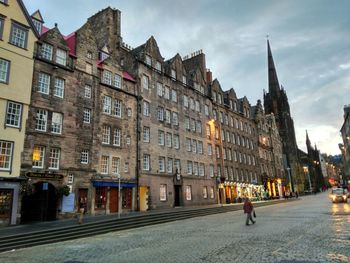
{"points": [[209, 76]]}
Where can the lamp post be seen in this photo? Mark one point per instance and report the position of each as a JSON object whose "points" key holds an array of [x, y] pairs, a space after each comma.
{"points": [[118, 176]]}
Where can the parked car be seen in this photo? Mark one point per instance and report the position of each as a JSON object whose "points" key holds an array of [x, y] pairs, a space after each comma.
{"points": [[339, 195]]}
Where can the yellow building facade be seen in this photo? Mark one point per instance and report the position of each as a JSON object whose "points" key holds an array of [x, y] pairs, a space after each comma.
{"points": [[18, 37]]}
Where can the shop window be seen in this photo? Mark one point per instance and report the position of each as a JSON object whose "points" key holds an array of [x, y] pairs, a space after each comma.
{"points": [[5, 204], [100, 198]]}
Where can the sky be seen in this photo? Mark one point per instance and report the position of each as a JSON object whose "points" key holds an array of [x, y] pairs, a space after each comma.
{"points": [[310, 43]]}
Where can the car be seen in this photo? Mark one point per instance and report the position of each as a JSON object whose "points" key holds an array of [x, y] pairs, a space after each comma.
{"points": [[339, 195]]}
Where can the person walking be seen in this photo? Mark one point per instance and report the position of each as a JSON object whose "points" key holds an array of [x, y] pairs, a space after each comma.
{"points": [[248, 209], [82, 208]]}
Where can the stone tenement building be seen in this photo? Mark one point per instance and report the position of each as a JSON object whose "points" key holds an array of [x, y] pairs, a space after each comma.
{"points": [[101, 111], [270, 152], [81, 130], [17, 37], [237, 141], [276, 102]]}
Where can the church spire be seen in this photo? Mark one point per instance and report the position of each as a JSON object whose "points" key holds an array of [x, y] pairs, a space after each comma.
{"points": [[274, 86], [308, 143]]}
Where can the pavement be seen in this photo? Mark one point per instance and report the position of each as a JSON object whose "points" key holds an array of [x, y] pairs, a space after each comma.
{"points": [[62, 223], [311, 230]]}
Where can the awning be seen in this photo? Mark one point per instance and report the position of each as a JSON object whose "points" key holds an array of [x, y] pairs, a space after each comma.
{"points": [[112, 184]]}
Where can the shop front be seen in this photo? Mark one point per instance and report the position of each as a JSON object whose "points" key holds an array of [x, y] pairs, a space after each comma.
{"points": [[108, 198], [9, 192]]}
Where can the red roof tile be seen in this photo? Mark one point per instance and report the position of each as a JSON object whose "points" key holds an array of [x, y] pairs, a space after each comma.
{"points": [[127, 76]]}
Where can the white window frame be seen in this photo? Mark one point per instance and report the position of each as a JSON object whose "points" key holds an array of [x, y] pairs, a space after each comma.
{"points": [[106, 134], [54, 159], [13, 114], [58, 90], [146, 162], [44, 83], [84, 157], [104, 164], [161, 162], [39, 163], [146, 108], [4, 70], [56, 123], [115, 165], [146, 134], [117, 109], [46, 51], [61, 57], [87, 91], [107, 77], [6, 155], [116, 137], [107, 104], [87, 115], [19, 35], [41, 120], [117, 81]]}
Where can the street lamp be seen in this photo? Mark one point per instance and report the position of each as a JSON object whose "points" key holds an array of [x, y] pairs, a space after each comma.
{"points": [[118, 176]]}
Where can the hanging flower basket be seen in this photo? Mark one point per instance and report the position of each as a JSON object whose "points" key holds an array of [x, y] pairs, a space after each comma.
{"points": [[63, 190], [26, 188]]}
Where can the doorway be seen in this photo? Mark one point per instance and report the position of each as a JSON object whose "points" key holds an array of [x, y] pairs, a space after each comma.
{"points": [[113, 200], [177, 195], [41, 205]]}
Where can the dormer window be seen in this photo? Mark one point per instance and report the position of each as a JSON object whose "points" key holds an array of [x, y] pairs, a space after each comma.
{"points": [[148, 60], [38, 25], [214, 96], [184, 81], [219, 99], [158, 66], [61, 57], [202, 90], [103, 55], [173, 74], [46, 51]]}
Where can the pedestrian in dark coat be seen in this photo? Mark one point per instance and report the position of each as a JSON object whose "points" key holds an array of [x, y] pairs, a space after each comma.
{"points": [[248, 209]]}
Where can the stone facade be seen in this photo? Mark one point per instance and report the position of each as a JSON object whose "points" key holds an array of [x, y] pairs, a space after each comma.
{"points": [[83, 120], [18, 35], [270, 152]]}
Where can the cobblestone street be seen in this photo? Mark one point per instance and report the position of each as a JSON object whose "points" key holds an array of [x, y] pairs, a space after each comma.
{"points": [[311, 229]]}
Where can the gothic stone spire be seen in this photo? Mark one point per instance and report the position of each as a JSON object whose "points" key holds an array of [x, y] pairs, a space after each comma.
{"points": [[274, 86]]}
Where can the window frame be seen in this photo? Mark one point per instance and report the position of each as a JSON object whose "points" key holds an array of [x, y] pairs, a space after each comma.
{"points": [[61, 58], [25, 31], [19, 125], [7, 71], [42, 150], [54, 158], [42, 121], [56, 125], [9, 157]]}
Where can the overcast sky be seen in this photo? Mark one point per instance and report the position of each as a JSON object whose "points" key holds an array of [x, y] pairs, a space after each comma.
{"points": [[310, 42]]}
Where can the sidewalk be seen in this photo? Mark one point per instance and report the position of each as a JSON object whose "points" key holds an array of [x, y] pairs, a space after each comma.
{"points": [[38, 226]]}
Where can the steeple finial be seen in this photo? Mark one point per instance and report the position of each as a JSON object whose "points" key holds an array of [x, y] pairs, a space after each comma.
{"points": [[274, 86]]}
